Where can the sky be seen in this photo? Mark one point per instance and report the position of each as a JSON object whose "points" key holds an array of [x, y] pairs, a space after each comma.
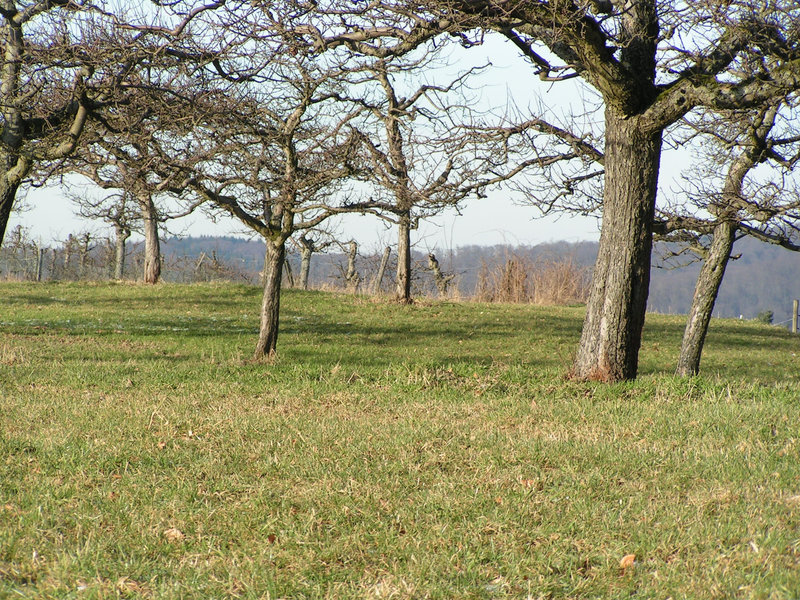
{"points": [[508, 85]]}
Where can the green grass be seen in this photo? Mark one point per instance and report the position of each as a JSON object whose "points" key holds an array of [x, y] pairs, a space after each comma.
{"points": [[433, 451]]}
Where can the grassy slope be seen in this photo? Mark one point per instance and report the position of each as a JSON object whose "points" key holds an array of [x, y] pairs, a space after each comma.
{"points": [[391, 452]]}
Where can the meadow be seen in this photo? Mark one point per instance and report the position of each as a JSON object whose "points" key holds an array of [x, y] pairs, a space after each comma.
{"points": [[432, 451]]}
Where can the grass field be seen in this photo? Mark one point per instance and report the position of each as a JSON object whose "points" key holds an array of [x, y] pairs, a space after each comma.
{"points": [[432, 451]]}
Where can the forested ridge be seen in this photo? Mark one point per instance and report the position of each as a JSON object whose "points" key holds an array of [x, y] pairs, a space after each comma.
{"points": [[763, 278]]}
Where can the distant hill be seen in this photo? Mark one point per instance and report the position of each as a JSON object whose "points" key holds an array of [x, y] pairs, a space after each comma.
{"points": [[764, 278]]}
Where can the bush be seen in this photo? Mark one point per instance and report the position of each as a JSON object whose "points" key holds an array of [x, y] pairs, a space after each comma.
{"points": [[522, 280], [765, 316]]}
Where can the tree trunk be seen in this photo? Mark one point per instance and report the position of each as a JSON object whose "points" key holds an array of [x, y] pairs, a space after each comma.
{"points": [[270, 303], [152, 244], [403, 280], [612, 329], [705, 295], [39, 263], [119, 254], [68, 255], [442, 281], [53, 263], [305, 266], [351, 276], [8, 194], [376, 286], [83, 254], [287, 264]]}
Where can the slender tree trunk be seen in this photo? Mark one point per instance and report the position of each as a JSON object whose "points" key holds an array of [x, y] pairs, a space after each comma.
{"points": [[39, 263], [83, 254], [68, 255], [376, 286], [305, 266], [612, 329], [287, 265], [705, 296], [53, 263], [403, 279], [119, 252], [152, 244], [351, 276], [271, 301]]}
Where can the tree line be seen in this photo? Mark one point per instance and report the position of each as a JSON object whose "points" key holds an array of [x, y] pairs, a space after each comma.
{"points": [[284, 114], [760, 280]]}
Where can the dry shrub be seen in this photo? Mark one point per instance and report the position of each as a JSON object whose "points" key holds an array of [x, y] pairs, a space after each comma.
{"points": [[560, 282], [522, 280]]}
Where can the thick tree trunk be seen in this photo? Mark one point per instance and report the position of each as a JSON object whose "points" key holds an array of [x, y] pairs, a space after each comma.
{"points": [[612, 329], [705, 295], [119, 252], [8, 193], [152, 244], [403, 279], [271, 301]]}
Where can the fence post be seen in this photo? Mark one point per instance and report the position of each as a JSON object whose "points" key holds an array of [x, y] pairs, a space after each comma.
{"points": [[795, 306]]}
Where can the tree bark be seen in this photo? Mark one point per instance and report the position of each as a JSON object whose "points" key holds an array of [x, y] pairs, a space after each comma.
{"points": [[119, 252], [83, 254], [403, 279], [705, 296], [289, 274], [376, 286], [8, 193], [351, 276], [305, 266], [271, 300], [612, 330], [152, 244]]}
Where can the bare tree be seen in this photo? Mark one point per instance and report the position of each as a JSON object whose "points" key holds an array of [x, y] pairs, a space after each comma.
{"points": [[441, 278], [308, 246], [724, 208], [424, 153], [651, 67], [117, 211], [131, 163], [350, 274], [63, 60], [274, 149]]}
